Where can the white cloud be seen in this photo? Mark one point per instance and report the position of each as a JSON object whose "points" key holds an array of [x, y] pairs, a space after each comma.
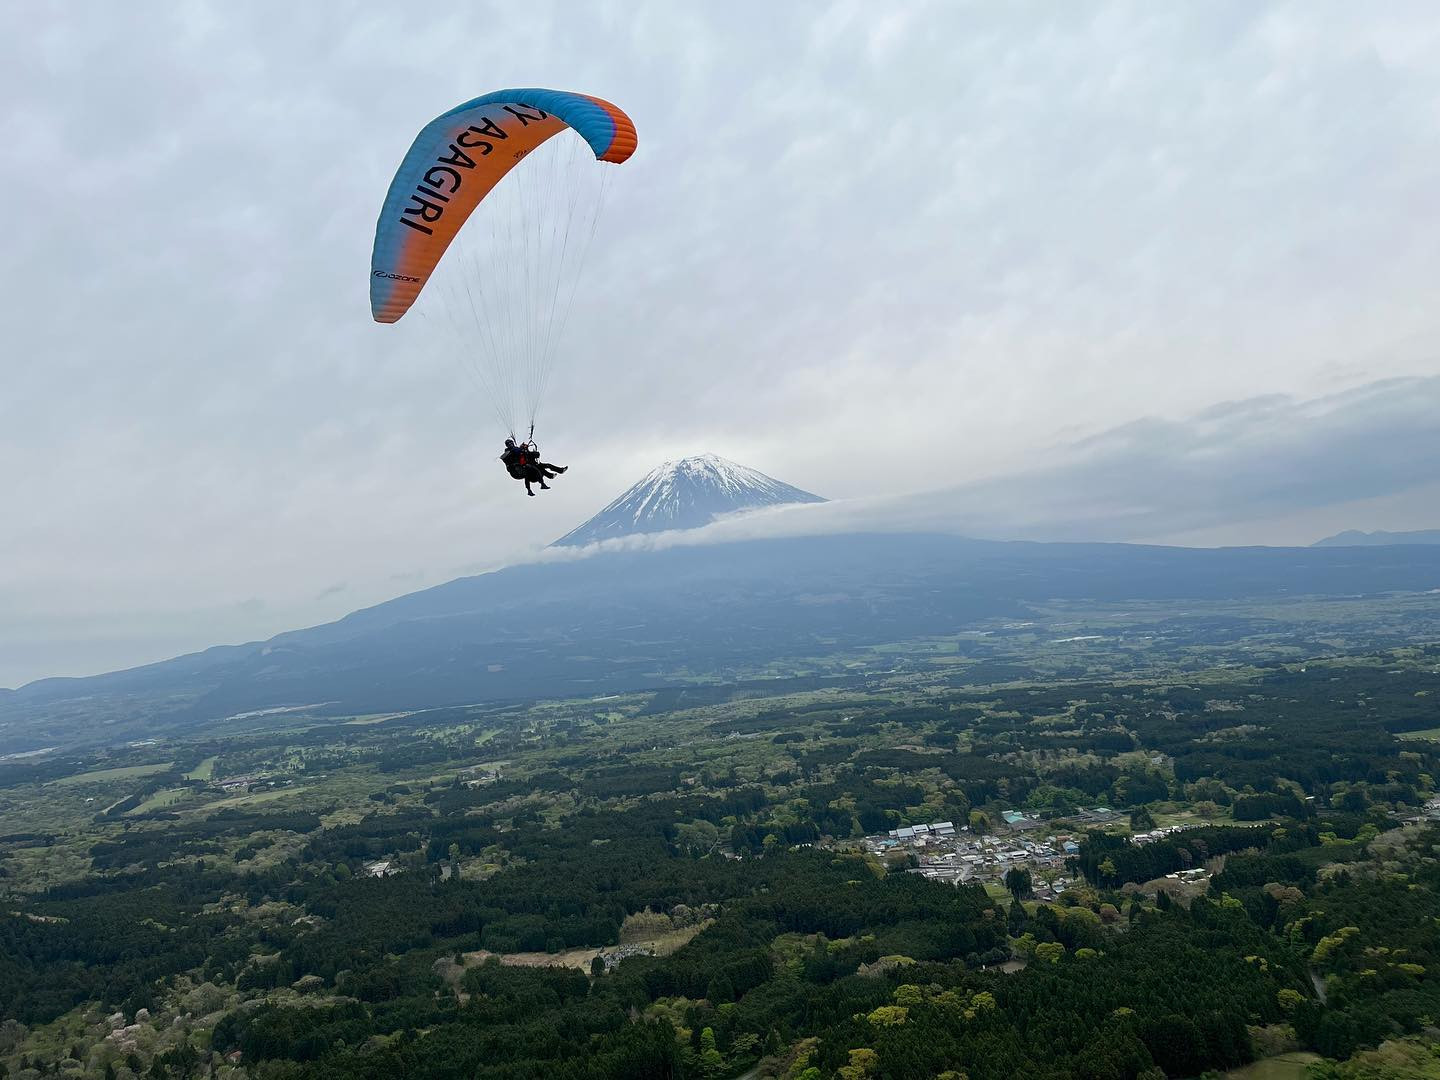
{"points": [[1251, 471]]}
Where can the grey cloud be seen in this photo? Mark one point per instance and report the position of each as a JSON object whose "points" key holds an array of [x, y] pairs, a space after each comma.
{"points": [[1243, 461], [980, 229]]}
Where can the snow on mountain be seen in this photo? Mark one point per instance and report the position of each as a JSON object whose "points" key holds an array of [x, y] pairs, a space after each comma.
{"points": [[685, 494]]}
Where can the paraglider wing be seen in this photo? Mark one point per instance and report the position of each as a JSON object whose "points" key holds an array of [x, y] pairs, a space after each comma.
{"points": [[455, 161]]}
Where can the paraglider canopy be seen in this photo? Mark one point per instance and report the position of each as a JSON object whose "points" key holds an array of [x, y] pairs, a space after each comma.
{"points": [[498, 260], [455, 161]]}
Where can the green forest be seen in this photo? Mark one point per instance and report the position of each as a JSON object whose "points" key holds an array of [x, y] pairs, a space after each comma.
{"points": [[1174, 871]]}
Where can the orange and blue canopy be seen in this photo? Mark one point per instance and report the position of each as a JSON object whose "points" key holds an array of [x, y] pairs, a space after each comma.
{"points": [[455, 161]]}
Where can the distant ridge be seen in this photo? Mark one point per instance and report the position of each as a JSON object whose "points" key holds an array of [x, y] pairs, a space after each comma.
{"points": [[627, 621], [685, 494], [1379, 538]]}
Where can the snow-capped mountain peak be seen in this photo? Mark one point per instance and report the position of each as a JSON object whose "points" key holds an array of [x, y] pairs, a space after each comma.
{"points": [[686, 494]]}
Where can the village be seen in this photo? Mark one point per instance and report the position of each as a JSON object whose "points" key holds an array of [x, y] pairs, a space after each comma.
{"points": [[946, 852]]}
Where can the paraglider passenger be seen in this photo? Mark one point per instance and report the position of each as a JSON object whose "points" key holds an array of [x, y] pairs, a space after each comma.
{"points": [[550, 471], [522, 461]]}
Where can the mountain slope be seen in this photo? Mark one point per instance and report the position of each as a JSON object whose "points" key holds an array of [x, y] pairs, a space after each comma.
{"points": [[1379, 538], [621, 621], [685, 494]]}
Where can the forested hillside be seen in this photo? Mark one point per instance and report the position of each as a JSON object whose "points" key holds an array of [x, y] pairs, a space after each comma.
{"points": [[1037, 852]]}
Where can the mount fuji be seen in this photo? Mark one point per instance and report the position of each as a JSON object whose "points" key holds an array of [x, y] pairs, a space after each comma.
{"points": [[685, 494]]}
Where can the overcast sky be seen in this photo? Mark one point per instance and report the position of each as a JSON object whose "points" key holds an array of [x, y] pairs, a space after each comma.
{"points": [[993, 234]]}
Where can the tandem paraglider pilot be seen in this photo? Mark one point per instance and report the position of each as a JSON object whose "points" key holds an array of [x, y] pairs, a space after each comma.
{"points": [[522, 461]]}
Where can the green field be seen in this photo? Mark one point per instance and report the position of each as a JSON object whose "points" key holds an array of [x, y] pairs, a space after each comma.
{"points": [[377, 718], [203, 771], [257, 797], [105, 776], [161, 799], [1430, 734], [1290, 1066]]}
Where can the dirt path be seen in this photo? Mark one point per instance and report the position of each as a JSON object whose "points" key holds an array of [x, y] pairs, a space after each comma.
{"points": [[579, 959]]}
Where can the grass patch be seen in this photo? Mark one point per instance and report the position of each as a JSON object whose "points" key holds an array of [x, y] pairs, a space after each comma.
{"points": [[1430, 734], [204, 771], [1290, 1066], [259, 796], [161, 799], [105, 776]]}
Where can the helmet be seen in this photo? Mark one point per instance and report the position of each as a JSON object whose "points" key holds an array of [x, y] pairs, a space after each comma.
{"points": [[509, 442]]}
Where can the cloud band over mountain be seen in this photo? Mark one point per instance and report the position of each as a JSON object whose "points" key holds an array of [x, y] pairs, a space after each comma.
{"points": [[1236, 466]]}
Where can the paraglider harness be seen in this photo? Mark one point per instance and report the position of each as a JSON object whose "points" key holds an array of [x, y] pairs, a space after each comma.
{"points": [[521, 456]]}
